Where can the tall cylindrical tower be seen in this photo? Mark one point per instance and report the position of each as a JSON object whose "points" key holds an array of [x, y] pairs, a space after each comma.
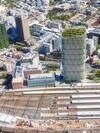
{"points": [[73, 54]]}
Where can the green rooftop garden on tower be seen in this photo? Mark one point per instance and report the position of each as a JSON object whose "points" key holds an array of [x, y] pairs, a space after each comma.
{"points": [[70, 32], [73, 54], [4, 43]]}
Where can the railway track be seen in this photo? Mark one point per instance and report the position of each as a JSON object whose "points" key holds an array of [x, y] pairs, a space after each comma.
{"points": [[55, 104]]}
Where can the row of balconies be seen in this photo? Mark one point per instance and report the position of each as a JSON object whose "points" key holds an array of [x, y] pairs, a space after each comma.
{"points": [[73, 52], [73, 62], [73, 47], [74, 69], [78, 40], [73, 73], [73, 57], [73, 76]]}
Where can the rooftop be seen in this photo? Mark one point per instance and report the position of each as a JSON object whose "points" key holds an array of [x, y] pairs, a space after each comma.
{"points": [[95, 31], [18, 79], [2, 8], [29, 55], [44, 75], [70, 32]]}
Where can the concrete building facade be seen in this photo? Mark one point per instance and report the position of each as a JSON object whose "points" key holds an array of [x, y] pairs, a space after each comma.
{"points": [[73, 54], [23, 31], [90, 46], [37, 80]]}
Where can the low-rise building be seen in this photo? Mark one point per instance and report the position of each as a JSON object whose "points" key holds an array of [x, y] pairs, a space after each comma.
{"points": [[90, 47], [77, 18], [31, 69], [46, 48], [55, 25], [37, 80], [17, 83], [30, 59], [95, 32], [19, 71], [36, 28], [98, 53]]}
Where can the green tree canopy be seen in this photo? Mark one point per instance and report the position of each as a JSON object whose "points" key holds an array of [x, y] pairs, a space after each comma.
{"points": [[10, 3], [97, 73]]}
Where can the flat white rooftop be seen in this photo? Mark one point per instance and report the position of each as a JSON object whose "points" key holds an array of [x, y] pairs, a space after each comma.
{"points": [[86, 96], [95, 106], [88, 112], [86, 101], [45, 75]]}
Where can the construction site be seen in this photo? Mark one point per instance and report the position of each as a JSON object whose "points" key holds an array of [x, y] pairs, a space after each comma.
{"points": [[51, 110]]}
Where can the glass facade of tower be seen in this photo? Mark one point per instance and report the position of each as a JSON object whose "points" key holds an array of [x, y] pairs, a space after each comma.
{"points": [[4, 43], [73, 54]]}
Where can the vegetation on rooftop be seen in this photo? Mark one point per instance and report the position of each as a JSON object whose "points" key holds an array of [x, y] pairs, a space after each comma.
{"points": [[70, 32], [4, 43], [10, 3], [4, 74], [52, 66], [54, 2], [22, 49], [97, 48], [95, 76], [53, 15], [18, 47]]}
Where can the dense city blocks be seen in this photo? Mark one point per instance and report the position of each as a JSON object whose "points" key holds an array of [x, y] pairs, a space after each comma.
{"points": [[50, 66]]}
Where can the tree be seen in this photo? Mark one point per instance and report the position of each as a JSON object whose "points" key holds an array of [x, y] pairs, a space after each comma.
{"points": [[97, 73], [4, 43], [10, 3], [52, 66]]}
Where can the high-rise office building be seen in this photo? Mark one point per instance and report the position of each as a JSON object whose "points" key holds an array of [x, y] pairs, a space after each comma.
{"points": [[22, 27], [4, 43], [73, 54]]}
